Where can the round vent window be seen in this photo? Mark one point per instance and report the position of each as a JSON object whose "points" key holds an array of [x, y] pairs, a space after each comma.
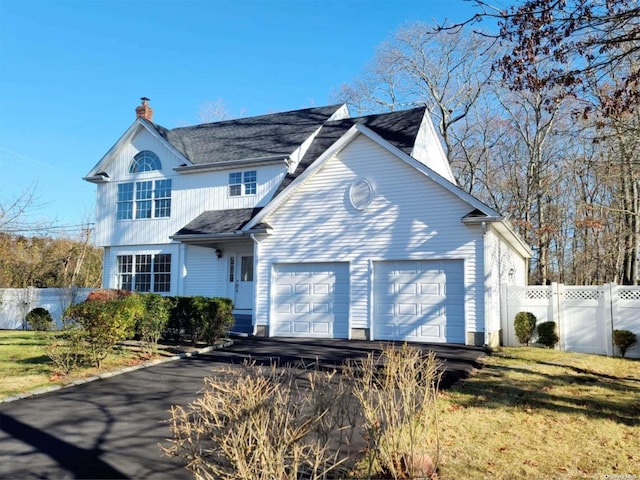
{"points": [[361, 194]]}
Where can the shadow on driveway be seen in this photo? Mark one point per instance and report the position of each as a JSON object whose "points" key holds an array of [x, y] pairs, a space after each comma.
{"points": [[111, 428]]}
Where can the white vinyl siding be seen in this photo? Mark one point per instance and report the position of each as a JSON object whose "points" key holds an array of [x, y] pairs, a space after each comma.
{"points": [[205, 274], [410, 218], [504, 266], [191, 194]]}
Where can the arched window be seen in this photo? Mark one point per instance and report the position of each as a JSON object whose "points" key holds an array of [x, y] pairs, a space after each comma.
{"points": [[145, 161]]}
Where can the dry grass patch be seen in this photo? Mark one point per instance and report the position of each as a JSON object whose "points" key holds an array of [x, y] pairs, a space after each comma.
{"points": [[535, 413], [374, 418]]}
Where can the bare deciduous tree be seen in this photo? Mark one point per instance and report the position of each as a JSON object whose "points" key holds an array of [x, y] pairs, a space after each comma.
{"points": [[583, 43], [446, 71]]}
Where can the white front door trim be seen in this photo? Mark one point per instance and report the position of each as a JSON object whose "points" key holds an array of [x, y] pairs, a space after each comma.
{"points": [[241, 280]]}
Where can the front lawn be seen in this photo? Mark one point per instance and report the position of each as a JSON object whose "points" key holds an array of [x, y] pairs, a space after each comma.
{"points": [[528, 413], [24, 366], [537, 413]]}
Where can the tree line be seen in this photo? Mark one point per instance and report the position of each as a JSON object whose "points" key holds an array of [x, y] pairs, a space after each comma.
{"points": [[539, 118], [32, 254], [48, 262]]}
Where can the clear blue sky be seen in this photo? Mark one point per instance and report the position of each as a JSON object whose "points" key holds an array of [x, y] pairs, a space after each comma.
{"points": [[72, 73]]}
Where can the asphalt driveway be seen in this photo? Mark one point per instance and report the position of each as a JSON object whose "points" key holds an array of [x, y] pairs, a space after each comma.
{"points": [[111, 428]]}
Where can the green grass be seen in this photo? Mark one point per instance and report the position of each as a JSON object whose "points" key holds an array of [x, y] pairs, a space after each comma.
{"points": [[24, 365], [537, 413]]}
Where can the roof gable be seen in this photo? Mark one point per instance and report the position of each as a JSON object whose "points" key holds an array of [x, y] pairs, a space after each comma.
{"points": [[399, 129], [360, 129], [98, 173]]}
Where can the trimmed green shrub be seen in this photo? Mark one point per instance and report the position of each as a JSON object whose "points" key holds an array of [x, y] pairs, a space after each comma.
{"points": [[105, 323], [199, 319], [151, 324], [178, 326], [218, 319], [525, 325], [623, 339], [547, 335], [39, 319]]}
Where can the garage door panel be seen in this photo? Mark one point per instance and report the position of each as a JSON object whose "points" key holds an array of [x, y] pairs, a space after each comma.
{"points": [[433, 289], [410, 289], [302, 308], [320, 308], [435, 331], [283, 289], [317, 299], [283, 308], [419, 301], [303, 289], [407, 309]]}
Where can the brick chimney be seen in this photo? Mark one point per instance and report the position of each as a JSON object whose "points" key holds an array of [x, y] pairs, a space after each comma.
{"points": [[144, 110]]}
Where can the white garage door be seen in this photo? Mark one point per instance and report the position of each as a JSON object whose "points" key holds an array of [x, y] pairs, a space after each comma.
{"points": [[419, 301], [311, 300]]}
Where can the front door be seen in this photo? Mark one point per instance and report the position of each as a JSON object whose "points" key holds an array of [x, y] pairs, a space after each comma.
{"points": [[241, 280]]}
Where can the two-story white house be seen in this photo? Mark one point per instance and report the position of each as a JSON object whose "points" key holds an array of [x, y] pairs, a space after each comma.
{"points": [[315, 224]]}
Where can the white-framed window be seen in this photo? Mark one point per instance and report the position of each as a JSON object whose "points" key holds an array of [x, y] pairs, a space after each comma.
{"points": [[144, 272], [243, 183], [145, 199], [145, 161]]}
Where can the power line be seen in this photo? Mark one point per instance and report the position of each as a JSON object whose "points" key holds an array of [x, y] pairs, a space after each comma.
{"points": [[52, 229]]}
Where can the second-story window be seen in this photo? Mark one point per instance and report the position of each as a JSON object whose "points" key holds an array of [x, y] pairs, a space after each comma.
{"points": [[145, 161], [147, 199], [242, 183]]}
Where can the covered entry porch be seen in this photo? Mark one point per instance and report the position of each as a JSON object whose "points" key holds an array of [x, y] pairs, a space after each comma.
{"points": [[219, 260]]}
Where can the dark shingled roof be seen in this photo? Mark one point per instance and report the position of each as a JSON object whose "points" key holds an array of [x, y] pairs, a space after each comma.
{"points": [[244, 138], [400, 129], [270, 135], [215, 222]]}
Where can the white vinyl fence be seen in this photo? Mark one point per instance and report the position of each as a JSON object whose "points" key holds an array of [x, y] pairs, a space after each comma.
{"points": [[586, 316], [15, 303]]}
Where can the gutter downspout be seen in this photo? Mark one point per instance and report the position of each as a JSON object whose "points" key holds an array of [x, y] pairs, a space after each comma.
{"points": [[486, 276], [256, 251]]}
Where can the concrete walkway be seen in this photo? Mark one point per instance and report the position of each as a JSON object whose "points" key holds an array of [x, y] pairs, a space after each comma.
{"points": [[111, 428]]}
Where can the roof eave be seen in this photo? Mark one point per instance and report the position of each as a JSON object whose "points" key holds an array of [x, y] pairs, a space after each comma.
{"points": [[482, 219], [211, 237], [96, 179], [503, 226], [204, 236], [245, 162]]}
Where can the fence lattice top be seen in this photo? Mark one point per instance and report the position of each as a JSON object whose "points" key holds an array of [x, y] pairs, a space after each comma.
{"points": [[529, 293], [583, 294], [629, 293]]}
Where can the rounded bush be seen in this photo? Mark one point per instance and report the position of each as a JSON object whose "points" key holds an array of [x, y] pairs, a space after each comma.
{"points": [[623, 339], [525, 325], [39, 319], [547, 334]]}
